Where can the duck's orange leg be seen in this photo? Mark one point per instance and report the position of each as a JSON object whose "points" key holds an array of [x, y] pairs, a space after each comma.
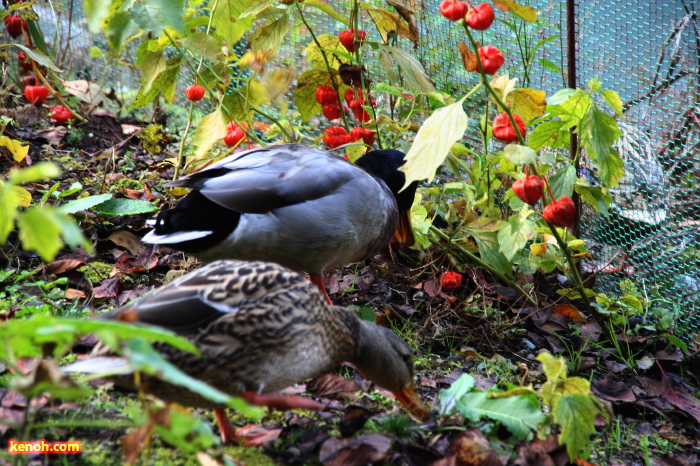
{"points": [[281, 401], [228, 432], [321, 284]]}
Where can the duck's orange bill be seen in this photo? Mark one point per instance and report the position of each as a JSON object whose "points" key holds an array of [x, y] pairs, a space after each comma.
{"points": [[412, 402], [404, 233]]}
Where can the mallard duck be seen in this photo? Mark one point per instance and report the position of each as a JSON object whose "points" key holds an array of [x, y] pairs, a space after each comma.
{"points": [[259, 327], [300, 207]]}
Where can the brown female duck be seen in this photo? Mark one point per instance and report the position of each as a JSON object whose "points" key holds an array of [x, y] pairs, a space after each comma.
{"points": [[291, 204], [259, 328]]}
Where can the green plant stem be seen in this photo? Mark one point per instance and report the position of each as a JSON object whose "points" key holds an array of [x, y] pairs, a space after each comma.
{"points": [[485, 265], [533, 166], [328, 65], [181, 150]]}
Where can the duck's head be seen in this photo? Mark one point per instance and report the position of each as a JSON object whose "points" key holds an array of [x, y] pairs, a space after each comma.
{"points": [[384, 164], [386, 360]]}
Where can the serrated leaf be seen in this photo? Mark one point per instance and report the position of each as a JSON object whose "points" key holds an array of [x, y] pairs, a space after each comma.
{"points": [[40, 58], [84, 203], [433, 142], [124, 207], [164, 83], [412, 71], [576, 413], [457, 390], [519, 414], [562, 182], [527, 103], [611, 169], [603, 132], [520, 155], [554, 368], [328, 43], [545, 134], [597, 197], [525, 12], [156, 15], [612, 98], [40, 231], [389, 23], [227, 20], [253, 7], [270, 36], [211, 129]]}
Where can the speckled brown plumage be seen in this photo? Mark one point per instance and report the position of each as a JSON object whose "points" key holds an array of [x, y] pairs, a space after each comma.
{"points": [[260, 328]]}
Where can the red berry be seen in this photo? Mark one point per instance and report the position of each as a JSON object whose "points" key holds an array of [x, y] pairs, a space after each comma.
{"points": [[529, 189], [234, 134], [335, 136], [480, 17], [503, 129], [60, 115], [347, 38], [331, 111], [36, 95], [353, 93], [326, 95], [356, 105], [450, 280], [561, 213], [194, 92], [365, 134], [24, 62], [15, 25], [491, 59], [453, 10]]}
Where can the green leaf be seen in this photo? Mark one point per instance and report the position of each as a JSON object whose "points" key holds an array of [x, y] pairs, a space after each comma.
{"points": [[40, 231], [8, 210], [237, 105], [612, 98], [164, 83], [211, 129], [253, 7], [96, 12], [305, 94], [71, 233], [597, 197], [39, 57], [576, 413], [515, 234], [38, 172], [457, 390], [145, 359], [489, 251], [545, 134], [84, 203], [155, 15], [270, 36], [328, 9], [562, 182], [519, 414], [433, 142], [227, 20], [611, 168], [520, 155], [119, 28], [187, 433], [124, 207], [551, 66], [413, 73], [554, 368], [329, 43], [602, 130], [203, 45]]}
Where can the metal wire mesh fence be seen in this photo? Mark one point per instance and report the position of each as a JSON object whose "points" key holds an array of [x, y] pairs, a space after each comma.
{"points": [[647, 51]]}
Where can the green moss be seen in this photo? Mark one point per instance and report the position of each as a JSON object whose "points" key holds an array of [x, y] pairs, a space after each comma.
{"points": [[126, 183], [96, 271], [153, 137]]}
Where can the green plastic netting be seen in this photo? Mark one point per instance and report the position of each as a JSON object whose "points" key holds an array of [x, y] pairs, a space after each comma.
{"points": [[646, 51]]}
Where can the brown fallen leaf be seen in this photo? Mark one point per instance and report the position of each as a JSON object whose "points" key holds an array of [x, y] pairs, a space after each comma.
{"points": [[354, 419], [72, 293], [128, 241], [254, 436], [611, 390], [473, 449], [357, 451], [334, 386], [468, 57], [674, 393], [61, 266]]}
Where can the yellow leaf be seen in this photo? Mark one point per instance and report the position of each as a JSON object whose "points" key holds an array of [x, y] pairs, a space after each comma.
{"points": [[355, 151], [527, 103], [19, 152], [525, 12], [388, 22], [503, 86], [433, 142], [538, 249], [22, 196], [212, 128]]}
